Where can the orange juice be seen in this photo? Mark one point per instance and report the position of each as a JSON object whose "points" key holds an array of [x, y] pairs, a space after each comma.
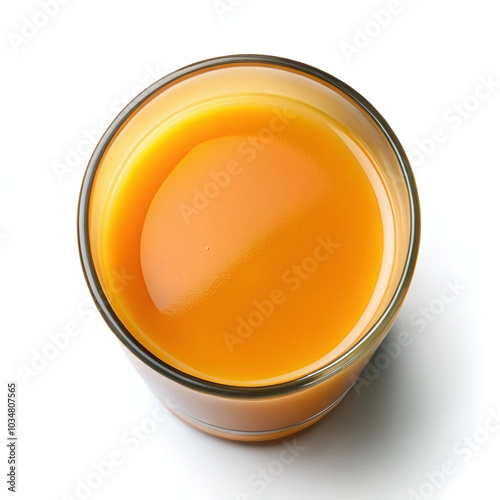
{"points": [[248, 228], [260, 251]]}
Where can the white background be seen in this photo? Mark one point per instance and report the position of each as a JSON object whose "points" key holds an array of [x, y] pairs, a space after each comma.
{"points": [[78, 408]]}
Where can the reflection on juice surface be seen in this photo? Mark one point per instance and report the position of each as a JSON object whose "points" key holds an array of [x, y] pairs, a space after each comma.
{"points": [[257, 249]]}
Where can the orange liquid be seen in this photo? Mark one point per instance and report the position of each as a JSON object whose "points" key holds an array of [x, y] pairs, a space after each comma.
{"points": [[254, 251]]}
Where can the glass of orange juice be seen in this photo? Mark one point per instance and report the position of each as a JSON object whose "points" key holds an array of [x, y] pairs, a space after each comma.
{"points": [[248, 227]]}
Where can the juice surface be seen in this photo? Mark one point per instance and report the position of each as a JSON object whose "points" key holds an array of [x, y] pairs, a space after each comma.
{"points": [[244, 243]]}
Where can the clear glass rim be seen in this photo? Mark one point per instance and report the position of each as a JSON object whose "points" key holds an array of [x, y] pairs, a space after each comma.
{"points": [[234, 391]]}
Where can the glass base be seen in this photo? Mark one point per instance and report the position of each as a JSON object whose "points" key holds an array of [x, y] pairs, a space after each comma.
{"points": [[265, 435]]}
